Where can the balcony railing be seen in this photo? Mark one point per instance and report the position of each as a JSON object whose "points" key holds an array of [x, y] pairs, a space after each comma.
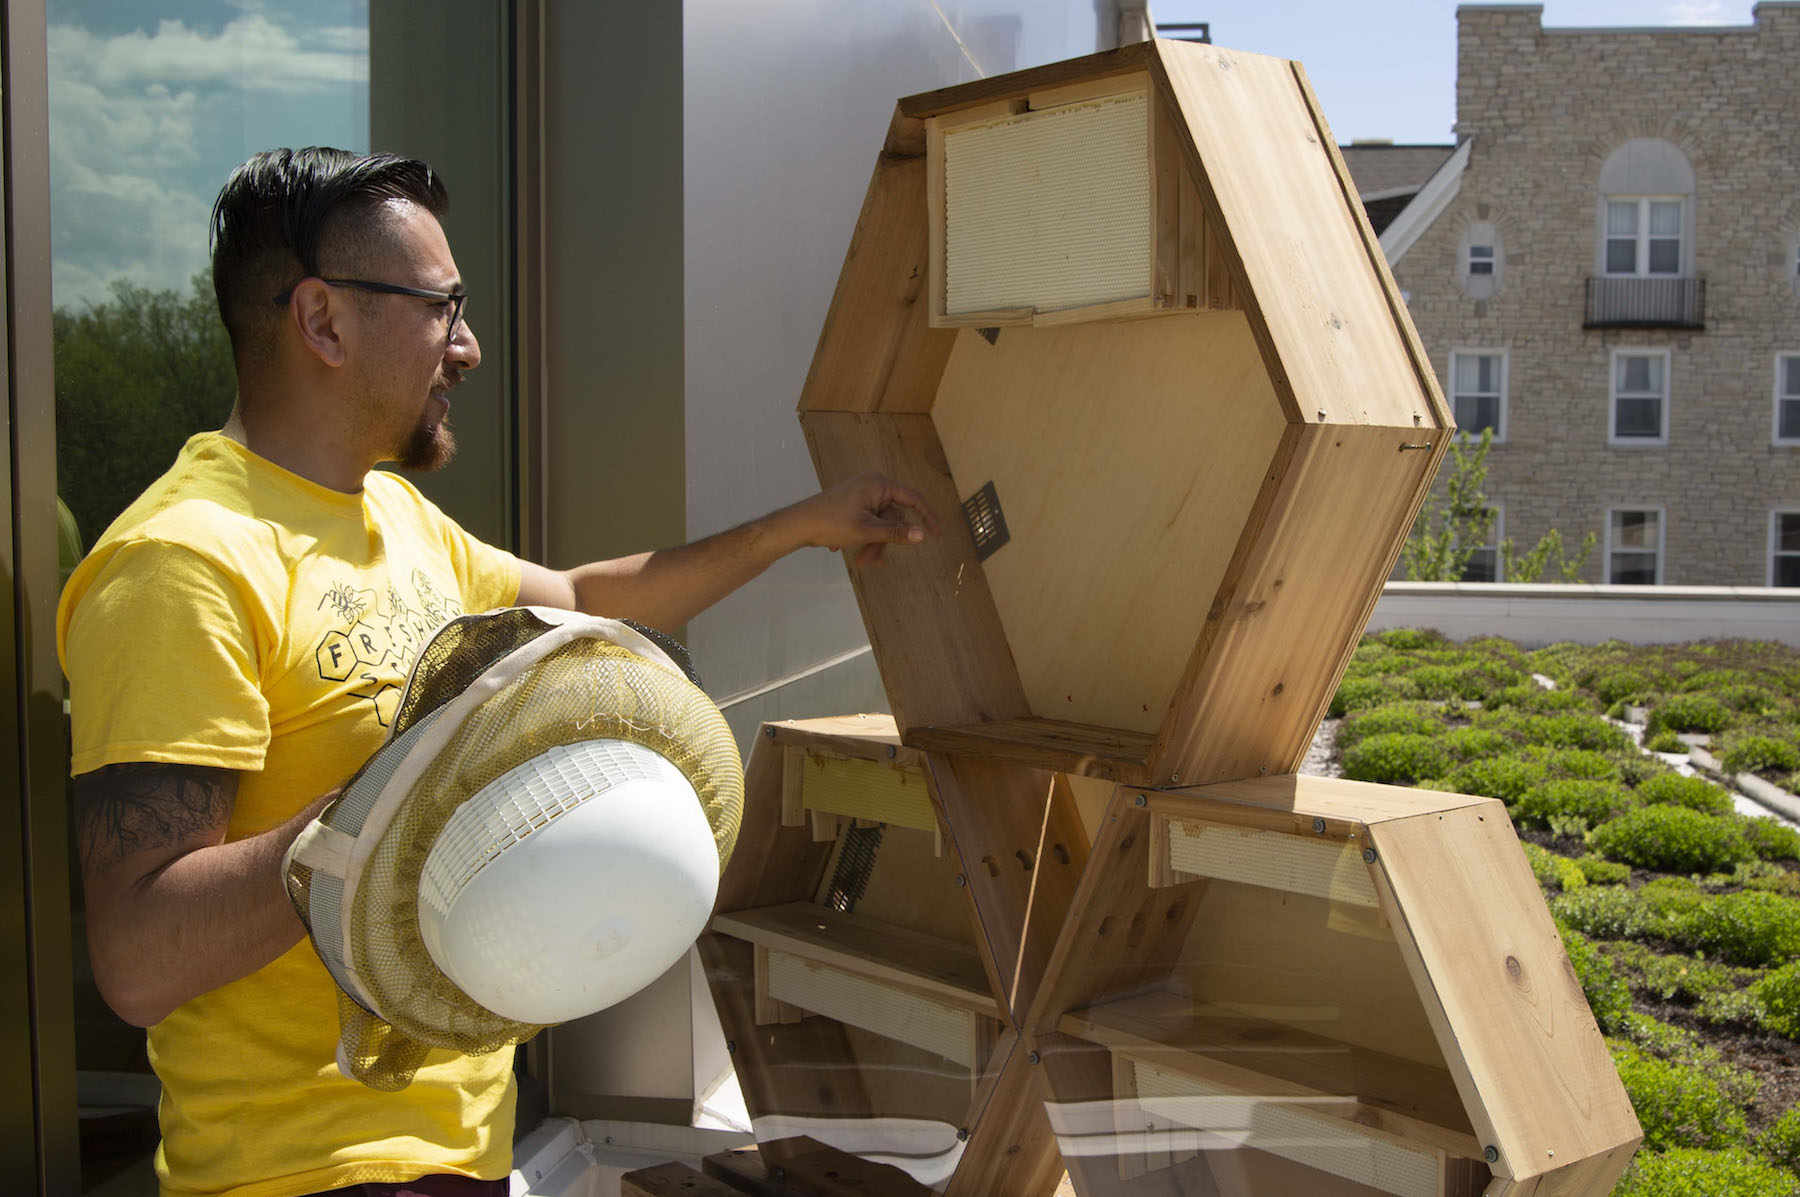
{"points": [[1614, 302]]}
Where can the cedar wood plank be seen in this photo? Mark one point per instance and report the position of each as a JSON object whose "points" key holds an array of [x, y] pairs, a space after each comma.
{"points": [[1535, 1072], [929, 614]]}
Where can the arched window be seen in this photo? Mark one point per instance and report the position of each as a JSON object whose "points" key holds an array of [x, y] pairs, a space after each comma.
{"points": [[1646, 211]]}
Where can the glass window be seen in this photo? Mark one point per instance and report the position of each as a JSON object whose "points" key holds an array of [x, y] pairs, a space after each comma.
{"points": [[1643, 236], [1481, 259], [1621, 238], [1634, 548], [1640, 397], [1478, 392], [1483, 564], [151, 106], [1787, 397], [1784, 564]]}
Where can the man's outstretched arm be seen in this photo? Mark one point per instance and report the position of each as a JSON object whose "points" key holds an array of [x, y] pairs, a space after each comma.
{"points": [[668, 587], [172, 909]]}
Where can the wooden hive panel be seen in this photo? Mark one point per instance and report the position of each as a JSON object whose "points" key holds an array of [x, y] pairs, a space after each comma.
{"points": [[1535, 1071], [1091, 645], [1203, 499]]}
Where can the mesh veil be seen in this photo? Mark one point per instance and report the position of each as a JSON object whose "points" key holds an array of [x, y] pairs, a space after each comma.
{"points": [[395, 1004]]}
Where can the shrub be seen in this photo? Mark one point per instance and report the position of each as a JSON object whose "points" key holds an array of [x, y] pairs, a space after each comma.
{"points": [[1636, 768], [1474, 743], [1412, 639], [1396, 758], [1665, 741], [1529, 696], [1504, 777], [1683, 978], [1750, 700], [1576, 763], [1603, 872], [1690, 713], [1770, 839], [1749, 927], [1604, 912], [1619, 684], [1607, 994], [1566, 729], [1672, 839], [1413, 718], [1780, 1142], [1689, 1172], [1594, 801], [1678, 1105], [1356, 694], [1779, 993], [1695, 793], [1553, 872], [1753, 753]]}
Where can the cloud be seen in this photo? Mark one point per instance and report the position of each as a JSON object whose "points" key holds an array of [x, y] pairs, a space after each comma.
{"points": [[251, 52], [1696, 12], [140, 123]]}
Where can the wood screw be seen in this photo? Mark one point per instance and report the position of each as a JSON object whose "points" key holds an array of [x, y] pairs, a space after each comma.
{"points": [[1319, 826], [1491, 1154], [1368, 856], [769, 732], [1140, 800], [731, 1047], [961, 881], [1174, 779], [892, 752], [1033, 1057], [778, 1172], [962, 1134]]}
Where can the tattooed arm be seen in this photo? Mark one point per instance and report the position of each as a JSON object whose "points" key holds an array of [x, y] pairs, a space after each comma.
{"points": [[172, 909]]}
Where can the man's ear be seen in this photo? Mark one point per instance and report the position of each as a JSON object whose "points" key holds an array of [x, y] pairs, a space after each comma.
{"points": [[318, 317]]}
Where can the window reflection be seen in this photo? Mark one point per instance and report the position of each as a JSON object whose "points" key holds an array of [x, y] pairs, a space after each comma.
{"points": [[151, 106]]}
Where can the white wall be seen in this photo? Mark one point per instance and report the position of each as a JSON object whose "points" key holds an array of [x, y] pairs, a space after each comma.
{"points": [[787, 103], [1538, 615]]}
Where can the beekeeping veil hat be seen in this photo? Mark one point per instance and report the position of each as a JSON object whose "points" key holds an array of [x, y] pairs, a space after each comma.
{"points": [[540, 837]]}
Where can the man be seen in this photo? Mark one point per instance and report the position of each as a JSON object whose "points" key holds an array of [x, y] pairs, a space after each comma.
{"points": [[236, 642]]}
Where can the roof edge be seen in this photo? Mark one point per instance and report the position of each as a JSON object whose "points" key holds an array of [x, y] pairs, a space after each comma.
{"points": [[1426, 206]]}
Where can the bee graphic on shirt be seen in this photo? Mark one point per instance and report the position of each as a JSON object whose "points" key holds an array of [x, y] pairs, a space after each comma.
{"points": [[376, 647]]}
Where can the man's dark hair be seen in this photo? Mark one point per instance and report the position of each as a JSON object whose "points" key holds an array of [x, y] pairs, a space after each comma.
{"points": [[283, 209]]}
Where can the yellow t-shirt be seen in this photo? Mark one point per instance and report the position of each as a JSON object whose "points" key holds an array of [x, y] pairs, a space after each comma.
{"points": [[240, 616]]}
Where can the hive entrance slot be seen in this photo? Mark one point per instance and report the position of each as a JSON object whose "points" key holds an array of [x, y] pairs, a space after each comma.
{"points": [[986, 520]]}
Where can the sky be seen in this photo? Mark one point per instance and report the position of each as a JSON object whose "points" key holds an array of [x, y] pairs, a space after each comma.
{"points": [[1389, 69], [148, 117], [152, 104]]}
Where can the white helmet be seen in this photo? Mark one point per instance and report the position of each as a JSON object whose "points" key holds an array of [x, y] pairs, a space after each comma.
{"points": [[540, 837]]}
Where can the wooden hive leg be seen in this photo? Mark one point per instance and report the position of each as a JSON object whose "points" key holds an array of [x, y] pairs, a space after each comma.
{"points": [[1011, 1150]]}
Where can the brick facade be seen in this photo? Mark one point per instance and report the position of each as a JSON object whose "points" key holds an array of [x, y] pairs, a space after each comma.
{"points": [[1545, 108]]}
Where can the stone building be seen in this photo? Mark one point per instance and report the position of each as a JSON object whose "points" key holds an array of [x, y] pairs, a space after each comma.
{"points": [[1606, 271]]}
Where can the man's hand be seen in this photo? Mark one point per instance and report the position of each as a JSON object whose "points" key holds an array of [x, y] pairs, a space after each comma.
{"points": [[863, 514], [667, 588]]}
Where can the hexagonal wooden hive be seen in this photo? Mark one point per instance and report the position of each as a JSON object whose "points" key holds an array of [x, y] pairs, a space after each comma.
{"points": [[1122, 321]]}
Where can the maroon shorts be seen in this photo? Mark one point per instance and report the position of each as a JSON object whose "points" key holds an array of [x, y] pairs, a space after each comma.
{"points": [[427, 1186]]}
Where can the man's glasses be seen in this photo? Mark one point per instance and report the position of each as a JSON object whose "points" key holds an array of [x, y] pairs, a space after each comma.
{"points": [[455, 300]]}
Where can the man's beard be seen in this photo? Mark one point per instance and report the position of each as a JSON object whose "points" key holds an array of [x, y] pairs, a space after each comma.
{"points": [[431, 447]]}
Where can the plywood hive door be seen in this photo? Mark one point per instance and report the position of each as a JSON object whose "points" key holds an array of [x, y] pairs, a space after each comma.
{"points": [[1125, 316], [1306, 985]]}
